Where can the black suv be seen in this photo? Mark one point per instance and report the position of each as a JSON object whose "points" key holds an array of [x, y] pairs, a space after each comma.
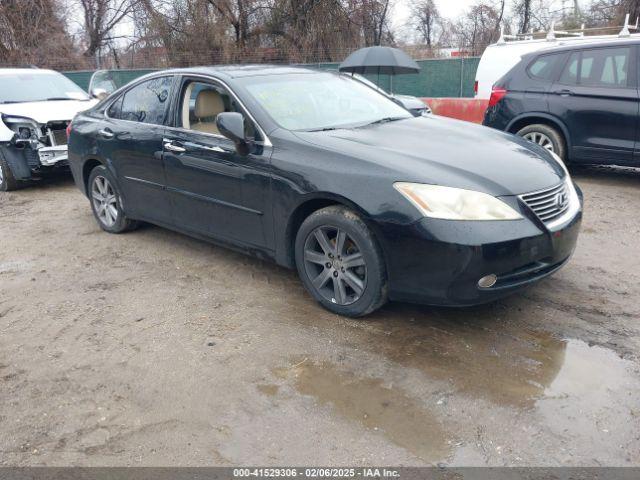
{"points": [[581, 102]]}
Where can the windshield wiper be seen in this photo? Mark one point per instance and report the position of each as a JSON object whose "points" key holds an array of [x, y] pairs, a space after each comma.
{"points": [[323, 129], [57, 98], [384, 120], [6, 102]]}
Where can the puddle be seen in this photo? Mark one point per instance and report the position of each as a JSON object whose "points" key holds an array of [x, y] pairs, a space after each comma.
{"points": [[595, 394], [476, 351], [369, 402]]}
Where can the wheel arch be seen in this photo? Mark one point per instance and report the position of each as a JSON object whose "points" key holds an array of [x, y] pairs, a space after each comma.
{"points": [[522, 121], [306, 207], [87, 167]]}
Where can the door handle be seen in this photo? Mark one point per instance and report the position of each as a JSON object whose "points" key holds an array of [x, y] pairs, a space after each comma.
{"points": [[172, 147], [564, 93], [106, 133]]}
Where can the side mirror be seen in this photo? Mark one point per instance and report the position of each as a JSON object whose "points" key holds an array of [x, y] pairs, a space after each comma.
{"points": [[99, 93], [231, 125]]}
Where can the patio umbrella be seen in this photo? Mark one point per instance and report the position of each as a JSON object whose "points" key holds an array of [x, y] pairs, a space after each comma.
{"points": [[380, 60]]}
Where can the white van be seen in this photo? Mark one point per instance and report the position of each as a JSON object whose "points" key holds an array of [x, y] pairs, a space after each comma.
{"points": [[502, 56]]}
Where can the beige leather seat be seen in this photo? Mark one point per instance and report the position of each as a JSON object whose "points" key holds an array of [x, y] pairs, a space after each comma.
{"points": [[209, 104]]}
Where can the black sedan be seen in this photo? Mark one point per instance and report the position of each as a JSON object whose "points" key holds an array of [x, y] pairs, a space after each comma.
{"points": [[321, 173]]}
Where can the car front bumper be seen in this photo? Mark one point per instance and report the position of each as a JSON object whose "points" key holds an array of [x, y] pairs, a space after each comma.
{"points": [[50, 156], [440, 262]]}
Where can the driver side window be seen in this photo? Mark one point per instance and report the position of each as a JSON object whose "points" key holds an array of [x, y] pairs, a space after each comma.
{"points": [[202, 102]]}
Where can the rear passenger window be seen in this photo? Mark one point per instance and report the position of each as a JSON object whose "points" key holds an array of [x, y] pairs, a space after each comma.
{"points": [[603, 67], [570, 73], [542, 67], [146, 103], [608, 67]]}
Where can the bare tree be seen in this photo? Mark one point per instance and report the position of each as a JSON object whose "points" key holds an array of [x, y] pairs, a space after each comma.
{"points": [[427, 21], [374, 21], [34, 32], [100, 18], [478, 28], [239, 14], [522, 12]]}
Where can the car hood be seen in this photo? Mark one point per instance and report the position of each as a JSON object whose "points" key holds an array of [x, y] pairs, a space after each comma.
{"points": [[442, 151], [49, 111]]}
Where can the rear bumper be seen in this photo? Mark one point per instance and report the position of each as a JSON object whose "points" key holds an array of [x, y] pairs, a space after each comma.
{"points": [[440, 262]]}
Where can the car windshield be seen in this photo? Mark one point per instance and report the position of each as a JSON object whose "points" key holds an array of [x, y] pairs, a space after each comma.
{"points": [[38, 86], [321, 101]]}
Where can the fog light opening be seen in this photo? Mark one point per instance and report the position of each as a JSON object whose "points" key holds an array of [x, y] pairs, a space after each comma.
{"points": [[488, 281]]}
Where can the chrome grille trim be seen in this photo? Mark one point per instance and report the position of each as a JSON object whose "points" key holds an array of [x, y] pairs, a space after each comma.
{"points": [[550, 203]]}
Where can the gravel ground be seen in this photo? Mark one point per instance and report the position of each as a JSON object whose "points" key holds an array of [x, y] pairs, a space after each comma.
{"points": [[151, 348]]}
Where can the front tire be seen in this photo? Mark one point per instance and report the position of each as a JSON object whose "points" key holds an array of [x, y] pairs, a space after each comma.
{"points": [[340, 262], [8, 182], [106, 202], [545, 136]]}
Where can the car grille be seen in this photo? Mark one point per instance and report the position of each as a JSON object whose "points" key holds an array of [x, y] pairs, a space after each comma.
{"points": [[59, 136], [548, 204]]}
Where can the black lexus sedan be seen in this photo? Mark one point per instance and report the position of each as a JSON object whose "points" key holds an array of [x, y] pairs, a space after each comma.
{"points": [[319, 172]]}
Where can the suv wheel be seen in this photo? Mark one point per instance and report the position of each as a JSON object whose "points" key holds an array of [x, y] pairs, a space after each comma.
{"points": [[340, 262], [7, 180], [545, 136], [106, 202]]}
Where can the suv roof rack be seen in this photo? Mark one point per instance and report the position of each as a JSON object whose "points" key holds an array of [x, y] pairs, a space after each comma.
{"points": [[552, 34]]}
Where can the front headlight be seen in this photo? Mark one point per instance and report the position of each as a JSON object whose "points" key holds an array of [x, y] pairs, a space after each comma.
{"points": [[24, 127], [449, 203]]}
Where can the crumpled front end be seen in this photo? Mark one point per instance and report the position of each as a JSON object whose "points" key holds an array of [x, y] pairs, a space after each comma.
{"points": [[31, 148]]}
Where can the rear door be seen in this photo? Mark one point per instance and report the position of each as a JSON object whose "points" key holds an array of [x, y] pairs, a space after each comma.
{"points": [[597, 99], [132, 139]]}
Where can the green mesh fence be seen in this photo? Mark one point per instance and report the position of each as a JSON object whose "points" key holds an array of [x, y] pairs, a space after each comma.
{"points": [[450, 77], [119, 77]]}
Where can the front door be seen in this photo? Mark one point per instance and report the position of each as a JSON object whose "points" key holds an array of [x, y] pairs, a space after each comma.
{"points": [[214, 190], [597, 98], [132, 137]]}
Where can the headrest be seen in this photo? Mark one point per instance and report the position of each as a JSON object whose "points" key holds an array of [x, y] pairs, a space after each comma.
{"points": [[208, 104]]}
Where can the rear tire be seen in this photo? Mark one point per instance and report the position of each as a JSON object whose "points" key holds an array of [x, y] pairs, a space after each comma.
{"points": [[545, 136], [340, 262], [8, 182], [106, 202]]}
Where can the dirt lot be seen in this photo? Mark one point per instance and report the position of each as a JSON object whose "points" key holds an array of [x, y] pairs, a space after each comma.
{"points": [[152, 348]]}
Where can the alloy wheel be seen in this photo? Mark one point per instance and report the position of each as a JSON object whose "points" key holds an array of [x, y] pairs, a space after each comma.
{"points": [[1, 174], [335, 265], [541, 139], [104, 201]]}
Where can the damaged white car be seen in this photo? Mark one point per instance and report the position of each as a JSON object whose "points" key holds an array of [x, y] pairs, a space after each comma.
{"points": [[36, 106]]}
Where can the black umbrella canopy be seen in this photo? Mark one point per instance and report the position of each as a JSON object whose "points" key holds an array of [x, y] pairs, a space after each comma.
{"points": [[380, 60]]}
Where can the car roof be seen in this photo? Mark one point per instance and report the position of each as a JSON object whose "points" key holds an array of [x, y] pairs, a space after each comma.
{"points": [[240, 71], [618, 42]]}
